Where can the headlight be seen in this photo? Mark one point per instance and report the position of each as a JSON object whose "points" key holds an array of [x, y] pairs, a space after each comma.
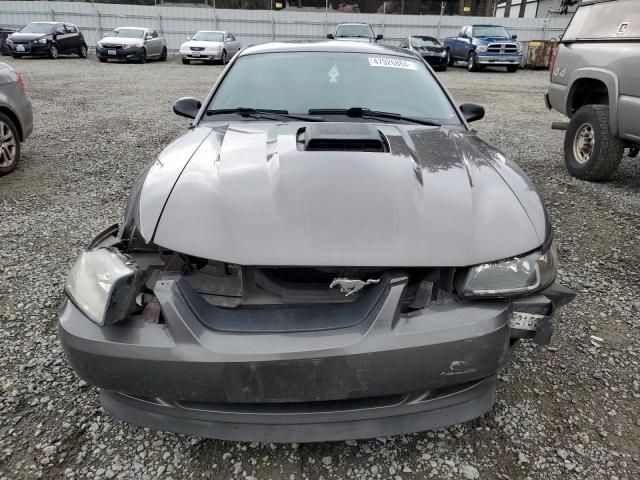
{"points": [[443, 53], [514, 276], [104, 284], [42, 40], [481, 48], [137, 45], [9, 40], [99, 45]]}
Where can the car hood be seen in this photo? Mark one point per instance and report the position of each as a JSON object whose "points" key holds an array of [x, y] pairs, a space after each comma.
{"points": [[429, 49], [201, 43], [26, 37], [121, 40], [356, 39], [248, 193]]}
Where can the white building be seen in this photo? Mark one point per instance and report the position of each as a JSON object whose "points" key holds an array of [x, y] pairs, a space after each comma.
{"points": [[537, 8]]}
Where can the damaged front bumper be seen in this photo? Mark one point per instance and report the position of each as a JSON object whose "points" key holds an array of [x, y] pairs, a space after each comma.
{"points": [[260, 378]]}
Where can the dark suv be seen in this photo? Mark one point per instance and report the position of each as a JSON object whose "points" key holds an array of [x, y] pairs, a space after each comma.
{"points": [[47, 38]]}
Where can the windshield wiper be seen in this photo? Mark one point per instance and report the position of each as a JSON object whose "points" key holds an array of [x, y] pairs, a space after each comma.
{"points": [[264, 113], [366, 113]]}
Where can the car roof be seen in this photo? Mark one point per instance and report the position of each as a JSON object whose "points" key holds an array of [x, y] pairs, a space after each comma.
{"points": [[212, 31], [337, 46], [486, 25], [49, 23], [353, 23], [422, 36], [133, 28]]}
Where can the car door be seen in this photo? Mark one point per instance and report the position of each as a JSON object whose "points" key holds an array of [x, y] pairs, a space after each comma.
{"points": [[461, 43], [60, 37], [72, 38], [235, 42]]}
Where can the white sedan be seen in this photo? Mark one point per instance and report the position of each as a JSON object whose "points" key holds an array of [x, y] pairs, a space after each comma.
{"points": [[209, 46]]}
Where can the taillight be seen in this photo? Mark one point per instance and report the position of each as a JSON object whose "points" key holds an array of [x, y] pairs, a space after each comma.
{"points": [[21, 84], [554, 54]]}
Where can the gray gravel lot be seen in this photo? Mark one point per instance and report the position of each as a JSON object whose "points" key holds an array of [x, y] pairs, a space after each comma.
{"points": [[569, 410]]}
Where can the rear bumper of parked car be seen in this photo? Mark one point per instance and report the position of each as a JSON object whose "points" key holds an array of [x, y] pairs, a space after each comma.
{"points": [[131, 53], [201, 55], [391, 373], [499, 59]]}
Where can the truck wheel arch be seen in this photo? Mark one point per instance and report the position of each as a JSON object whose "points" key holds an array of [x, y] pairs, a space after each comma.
{"points": [[593, 86]]}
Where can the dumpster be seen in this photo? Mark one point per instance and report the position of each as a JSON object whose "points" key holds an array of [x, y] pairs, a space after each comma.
{"points": [[539, 53]]}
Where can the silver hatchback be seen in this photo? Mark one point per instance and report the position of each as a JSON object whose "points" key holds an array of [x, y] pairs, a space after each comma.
{"points": [[16, 117]]}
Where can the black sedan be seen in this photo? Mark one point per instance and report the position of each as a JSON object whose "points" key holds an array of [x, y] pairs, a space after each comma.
{"points": [[47, 39], [428, 48]]}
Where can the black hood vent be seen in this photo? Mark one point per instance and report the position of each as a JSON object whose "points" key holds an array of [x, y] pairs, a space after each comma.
{"points": [[341, 137]]}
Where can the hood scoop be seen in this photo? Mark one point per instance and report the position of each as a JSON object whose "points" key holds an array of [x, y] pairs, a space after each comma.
{"points": [[341, 137]]}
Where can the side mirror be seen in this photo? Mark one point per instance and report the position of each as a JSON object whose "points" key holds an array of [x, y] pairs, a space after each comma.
{"points": [[330, 36], [514, 37], [378, 37], [188, 38], [187, 107], [471, 111]]}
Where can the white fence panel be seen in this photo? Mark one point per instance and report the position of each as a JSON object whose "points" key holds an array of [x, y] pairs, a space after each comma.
{"points": [[255, 26]]}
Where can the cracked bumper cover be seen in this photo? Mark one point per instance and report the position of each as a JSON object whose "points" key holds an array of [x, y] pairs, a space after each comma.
{"points": [[390, 374]]}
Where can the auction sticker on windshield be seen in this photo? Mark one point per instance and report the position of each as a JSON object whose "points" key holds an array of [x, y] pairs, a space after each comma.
{"points": [[391, 63]]}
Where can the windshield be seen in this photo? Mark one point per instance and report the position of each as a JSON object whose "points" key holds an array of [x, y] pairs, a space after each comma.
{"points": [[38, 28], [209, 36], [424, 42], [127, 33], [363, 31], [499, 32], [297, 82]]}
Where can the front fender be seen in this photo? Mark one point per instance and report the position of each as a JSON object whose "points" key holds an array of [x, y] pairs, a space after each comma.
{"points": [[605, 76]]}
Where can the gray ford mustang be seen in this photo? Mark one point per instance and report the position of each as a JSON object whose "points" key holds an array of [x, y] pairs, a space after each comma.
{"points": [[328, 252]]}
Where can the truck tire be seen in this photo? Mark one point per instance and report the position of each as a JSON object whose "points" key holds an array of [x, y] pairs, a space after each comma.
{"points": [[591, 151], [450, 60], [513, 68], [473, 62]]}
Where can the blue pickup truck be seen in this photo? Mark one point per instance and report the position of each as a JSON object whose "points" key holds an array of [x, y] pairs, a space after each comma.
{"points": [[484, 45]]}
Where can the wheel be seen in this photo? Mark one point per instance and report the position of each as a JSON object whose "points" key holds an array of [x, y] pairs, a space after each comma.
{"points": [[163, 55], [442, 68], [449, 58], [143, 56], [83, 51], [513, 68], [186, 61], [473, 62], [591, 151], [53, 51], [9, 145], [16, 56], [223, 61], [102, 60]]}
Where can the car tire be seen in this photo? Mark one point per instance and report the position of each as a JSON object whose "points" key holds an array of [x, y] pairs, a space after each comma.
{"points": [[16, 56], [450, 60], [473, 62], [9, 145], [443, 69], [163, 55], [102, 60], [223, 59], [591, 151], [142, 56], [186, 61], [82, 53], [53, 51], [513, 68]]}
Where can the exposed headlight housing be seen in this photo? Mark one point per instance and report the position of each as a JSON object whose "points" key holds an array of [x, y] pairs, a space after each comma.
{"points": [[514, 276], [481, 48], [443, 53], [104, 283], [41, 40]]}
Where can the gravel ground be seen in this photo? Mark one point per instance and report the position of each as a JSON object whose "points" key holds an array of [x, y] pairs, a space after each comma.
{"points": [[569, 410]]}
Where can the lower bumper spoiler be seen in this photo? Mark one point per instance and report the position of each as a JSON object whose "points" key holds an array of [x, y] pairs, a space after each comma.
{"points": [[396, 415]]}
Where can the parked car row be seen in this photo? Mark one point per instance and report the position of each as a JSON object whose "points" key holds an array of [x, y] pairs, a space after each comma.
{"points": [[124, 43]]}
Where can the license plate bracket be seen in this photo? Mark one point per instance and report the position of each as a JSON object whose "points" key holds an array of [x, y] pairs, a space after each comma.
{"points": [[111, 52]]}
